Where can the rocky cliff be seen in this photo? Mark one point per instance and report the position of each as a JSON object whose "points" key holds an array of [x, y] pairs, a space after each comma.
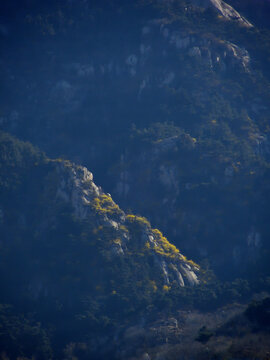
{"points": [[76, 187], [167, 102], [171, 115], [223, 9], [69, 252], [80, 229]]}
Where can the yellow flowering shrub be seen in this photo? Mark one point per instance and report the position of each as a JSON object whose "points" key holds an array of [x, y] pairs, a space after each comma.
{"points": [[138, 219], [164, 246], [104, 204]]}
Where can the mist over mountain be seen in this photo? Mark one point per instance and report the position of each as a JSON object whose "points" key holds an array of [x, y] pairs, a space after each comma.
{"points": [[165, 104]]}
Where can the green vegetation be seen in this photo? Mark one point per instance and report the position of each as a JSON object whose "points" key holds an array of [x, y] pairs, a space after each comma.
{"points": [[191, 153], [139, 220], [204, 335], [65, 267], [17, 160], [259, 313], [164, 247], [105, 205]]}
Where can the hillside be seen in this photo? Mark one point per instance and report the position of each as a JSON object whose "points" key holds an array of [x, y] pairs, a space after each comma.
{"points": [[67, 248], [166, 102]]}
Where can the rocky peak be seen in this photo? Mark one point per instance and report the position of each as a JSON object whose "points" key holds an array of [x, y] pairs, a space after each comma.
{"points": [[131, 233], [223, 9]]}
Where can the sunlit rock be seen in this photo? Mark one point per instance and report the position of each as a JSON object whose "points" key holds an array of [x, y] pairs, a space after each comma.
{"points": [[223, 9]]}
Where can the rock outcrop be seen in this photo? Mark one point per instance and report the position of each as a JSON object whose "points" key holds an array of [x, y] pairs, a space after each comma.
{"points": [[76, 187], [223, 9]]}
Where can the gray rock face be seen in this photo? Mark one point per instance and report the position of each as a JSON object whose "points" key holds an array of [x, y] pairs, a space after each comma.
{"points": [[76, 187], [195, 51], [190, 275], [168, 178], [254, 239], [261, 144], [117, 249], [215, 55], [178, 276], [239, 55], [224, 10], [178, 271], [122, 186], [69, 93]]}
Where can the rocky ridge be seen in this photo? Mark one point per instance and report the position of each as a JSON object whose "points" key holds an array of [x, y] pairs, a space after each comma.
{"points": [[159, 39], [76, 186], [223, 9]]}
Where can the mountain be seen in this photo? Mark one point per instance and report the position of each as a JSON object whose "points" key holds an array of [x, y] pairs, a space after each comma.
{"points": [[65, 243], [257, 11], [81, 278], [224, 10], [167, 102]]}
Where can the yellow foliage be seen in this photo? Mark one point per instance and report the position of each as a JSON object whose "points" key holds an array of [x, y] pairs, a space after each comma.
{"points": [[192, 263], [96, 230], [158, 233], [117, 241], [104, 204], [131, 217], [139, 219], [153, 285], [164, 246], [166, 288], [123, 228]]}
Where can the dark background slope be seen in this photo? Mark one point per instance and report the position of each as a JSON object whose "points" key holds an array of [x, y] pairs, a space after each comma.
{"points": [[165, 102]]}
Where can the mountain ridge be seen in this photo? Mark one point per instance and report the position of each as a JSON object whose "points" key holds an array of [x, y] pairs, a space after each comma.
{"points": [[77, 185], [167, 102]]}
